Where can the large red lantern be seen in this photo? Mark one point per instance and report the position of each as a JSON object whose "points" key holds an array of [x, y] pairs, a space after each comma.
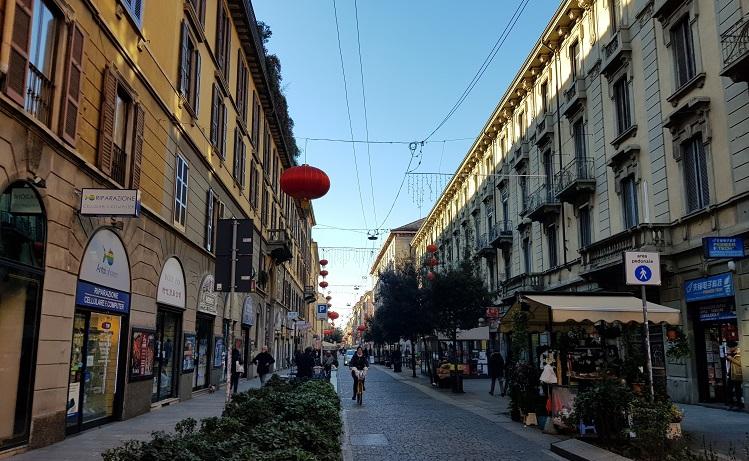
{"points": [[432, 262], [323, 284], [305, 182], [324, 273], [361, 328], [332, 315], [323, 262], [430, 276], [431, 248]]}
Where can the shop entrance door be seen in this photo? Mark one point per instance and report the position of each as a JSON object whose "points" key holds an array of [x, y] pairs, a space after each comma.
{"points": [[203, 333], [710, 341], [93, 389], [165, 368]]}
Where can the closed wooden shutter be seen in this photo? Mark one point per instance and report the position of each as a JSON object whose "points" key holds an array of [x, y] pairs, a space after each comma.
{"points": [[220, 35], [72, 88], [106, 121], [223, 129], [227, 48], [18, 64], [184, 61], [196, 82], [138, 123], [214, 117]]}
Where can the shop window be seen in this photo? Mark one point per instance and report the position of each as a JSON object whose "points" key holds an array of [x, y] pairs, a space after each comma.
{"points": [[181, 181], [189, 70], [695, 174], [683, 51], [629, 202]]}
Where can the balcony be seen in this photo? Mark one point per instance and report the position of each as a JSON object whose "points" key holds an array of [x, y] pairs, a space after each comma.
{"points": [[608, 252], [577, 178], [504, 174], [487, 190], [520, 154], [310, 294], [541, 203], [521, 283], [279, 245], [500, 235], [616, 51], [484, 248], [544, 129], [574, 96], [735, 44], [38, 100]]}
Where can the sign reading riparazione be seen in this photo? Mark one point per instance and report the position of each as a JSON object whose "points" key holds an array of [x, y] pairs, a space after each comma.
{"points": [[110, 202]]}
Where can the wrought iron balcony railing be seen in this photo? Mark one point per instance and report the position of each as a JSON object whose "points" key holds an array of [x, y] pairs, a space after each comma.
{"points": [[578, 175], [735, 47], [541, 201]]}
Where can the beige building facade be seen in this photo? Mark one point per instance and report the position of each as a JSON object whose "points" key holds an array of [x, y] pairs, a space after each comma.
{"points": [[624, 129]]}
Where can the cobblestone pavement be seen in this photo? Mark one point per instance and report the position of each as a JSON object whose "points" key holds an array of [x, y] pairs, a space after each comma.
{"points": [[405, 420]]}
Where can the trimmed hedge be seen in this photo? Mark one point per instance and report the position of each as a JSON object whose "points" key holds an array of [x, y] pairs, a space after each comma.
{"points": [[282, 421]]}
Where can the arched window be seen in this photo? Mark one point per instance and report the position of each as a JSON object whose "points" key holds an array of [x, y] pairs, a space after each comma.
{"points": [[22, 226]]}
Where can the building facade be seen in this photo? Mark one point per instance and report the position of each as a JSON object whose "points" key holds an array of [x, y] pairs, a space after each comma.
{"points": [[395, 251], [624, 129], [104, 317]]}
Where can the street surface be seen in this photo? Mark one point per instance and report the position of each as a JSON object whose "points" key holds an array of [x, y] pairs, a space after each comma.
{"points": [[402, 419]]}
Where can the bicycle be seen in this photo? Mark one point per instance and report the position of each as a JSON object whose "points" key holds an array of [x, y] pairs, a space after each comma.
{"points": [[360, 376]]}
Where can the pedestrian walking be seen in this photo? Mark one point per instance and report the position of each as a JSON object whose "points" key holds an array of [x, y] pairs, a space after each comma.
{"points": [[496, 370], [735, 377], [264, 361], [237, 365], [397, 360], [306, 364], [328, 363]]}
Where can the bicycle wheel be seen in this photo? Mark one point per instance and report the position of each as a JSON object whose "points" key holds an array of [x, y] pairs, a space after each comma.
{"points": [[359, 393]]}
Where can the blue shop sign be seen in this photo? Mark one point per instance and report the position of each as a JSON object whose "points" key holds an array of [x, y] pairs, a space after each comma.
{"points": [[716, 286], [723, 247], [101, 298]]}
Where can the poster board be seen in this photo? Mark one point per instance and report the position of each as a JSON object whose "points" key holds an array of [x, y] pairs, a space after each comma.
{"points": [[188, 353], [218, 352], [142, 353]]}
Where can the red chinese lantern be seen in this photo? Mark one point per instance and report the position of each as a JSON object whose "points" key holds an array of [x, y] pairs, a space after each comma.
{"points": [[431, 276], [328, 298], [431, 248], [361, 328], [323, 262], [327, 332], [305, 182], [332, 315], [432, 262], [323, 284], [324, 273]]}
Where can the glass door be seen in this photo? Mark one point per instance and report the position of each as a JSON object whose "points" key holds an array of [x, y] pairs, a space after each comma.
{"points": [[164, 378], [203, 357], [78, 352]]}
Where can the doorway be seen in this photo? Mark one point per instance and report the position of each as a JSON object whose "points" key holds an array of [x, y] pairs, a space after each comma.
{"points": [[165, 366], [203, 333]]}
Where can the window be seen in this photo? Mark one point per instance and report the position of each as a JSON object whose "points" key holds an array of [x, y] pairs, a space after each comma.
{"points": [[214, 211], [254, 191], [629, 202], [255, 120], [507, 261], [551, 239], [523, 183], [527, 255], [545, 97], [218, 122], [180, 191], [575, 59], [223, 39], [199, 7], [266, 151], [274, 177], [578, 132], [240, 158], [135, 8], [548, 172], [695, 174], [189, 70], [242, 86], [265, 213], [621, 101], [120, 132], [583, 223], [683, 46], [41, 61], [521, 124], [613, 19]]}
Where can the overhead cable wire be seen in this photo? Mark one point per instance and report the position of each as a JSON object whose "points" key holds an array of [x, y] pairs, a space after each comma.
{"points": [[485, 65], [362, 141], [348, 111], [412, 147], [364, 100]]}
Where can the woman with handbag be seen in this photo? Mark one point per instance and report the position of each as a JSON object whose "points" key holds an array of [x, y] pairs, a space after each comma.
{"points": [[237, 365]]}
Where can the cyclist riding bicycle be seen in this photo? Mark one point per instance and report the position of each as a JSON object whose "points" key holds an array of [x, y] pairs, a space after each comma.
{"points": [[358, 362]]}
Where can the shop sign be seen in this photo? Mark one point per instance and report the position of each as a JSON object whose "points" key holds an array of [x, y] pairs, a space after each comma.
{"points": [[322, 311], [302, 325], [248, 312], [716, 311], [110, 202], [292, 315], [207, 299], [23, 201], [642, 268], [716, 286], [102, 298], [105, 262], [171, 289], [723, 247]]}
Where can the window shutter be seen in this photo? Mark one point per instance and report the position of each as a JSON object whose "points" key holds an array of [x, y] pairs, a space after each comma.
{"points": [[138, 123], [214, 117], [223, 130], [72, 87], [227, 48], [18, 63], [702, 162], [184, 61], [106, 120], [209, 221], [196, 79], [220, 35]]}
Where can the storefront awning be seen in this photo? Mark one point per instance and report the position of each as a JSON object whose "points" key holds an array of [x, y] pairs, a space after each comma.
{"points": [[609, 309]]}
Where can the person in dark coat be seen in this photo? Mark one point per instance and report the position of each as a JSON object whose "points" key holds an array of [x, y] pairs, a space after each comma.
{"points": [[360, 362], [306, 364], [496, 370], [397, 360], [263, 361], [236, 359]]}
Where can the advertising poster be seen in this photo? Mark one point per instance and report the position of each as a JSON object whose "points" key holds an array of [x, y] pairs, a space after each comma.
{"points": [[188, 353], [142, 354], [218, 352]]}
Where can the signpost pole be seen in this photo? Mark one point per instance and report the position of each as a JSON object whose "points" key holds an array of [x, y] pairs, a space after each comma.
{"points": [[645, 326], [230, 346]]}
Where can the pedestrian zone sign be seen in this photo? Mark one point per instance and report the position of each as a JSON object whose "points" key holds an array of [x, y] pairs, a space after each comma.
{"points": [[642, 268], [322, 311]]}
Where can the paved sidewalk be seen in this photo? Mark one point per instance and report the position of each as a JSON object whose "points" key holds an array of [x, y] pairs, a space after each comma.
{"points": [[90, 444]]}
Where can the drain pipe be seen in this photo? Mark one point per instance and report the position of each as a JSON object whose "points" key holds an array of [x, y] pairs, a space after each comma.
{"points": [[557, 58], [10, 14]]}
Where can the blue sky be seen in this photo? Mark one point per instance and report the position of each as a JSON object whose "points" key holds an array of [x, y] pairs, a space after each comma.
{"points": [[417, 56]]}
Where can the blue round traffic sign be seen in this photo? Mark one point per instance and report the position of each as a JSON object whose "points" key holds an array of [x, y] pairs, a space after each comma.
{"points": [[643, 273]]}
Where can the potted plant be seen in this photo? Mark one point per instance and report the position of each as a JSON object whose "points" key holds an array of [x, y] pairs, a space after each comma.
{"points": [[675, 414], [633, 372]]}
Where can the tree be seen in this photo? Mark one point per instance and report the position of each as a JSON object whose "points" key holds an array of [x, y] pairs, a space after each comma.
{"points": [[457, 298], [402, 312]]}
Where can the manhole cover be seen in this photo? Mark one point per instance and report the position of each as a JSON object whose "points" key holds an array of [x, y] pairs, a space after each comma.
{"points": [[368, 440]]}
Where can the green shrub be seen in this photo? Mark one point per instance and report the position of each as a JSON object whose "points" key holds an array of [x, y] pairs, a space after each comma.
{"points": [[282, 421], [650, 424], [606, 404]]}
